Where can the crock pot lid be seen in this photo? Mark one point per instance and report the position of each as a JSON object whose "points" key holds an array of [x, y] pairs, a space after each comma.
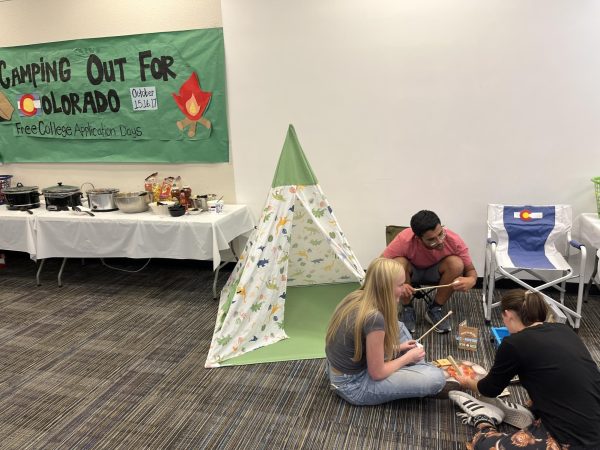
{"points": [[102, 191], [19, 189], [60, 189]]}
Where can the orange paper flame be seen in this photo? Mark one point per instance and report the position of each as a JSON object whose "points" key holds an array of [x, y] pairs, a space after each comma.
{"points": [[192, 101]]}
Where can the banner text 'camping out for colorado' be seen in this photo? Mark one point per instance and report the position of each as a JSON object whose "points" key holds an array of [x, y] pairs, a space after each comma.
{"points": [[144, 98]]}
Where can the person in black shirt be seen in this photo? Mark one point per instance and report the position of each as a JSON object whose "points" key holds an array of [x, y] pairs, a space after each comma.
{"points": [[558, 372]]}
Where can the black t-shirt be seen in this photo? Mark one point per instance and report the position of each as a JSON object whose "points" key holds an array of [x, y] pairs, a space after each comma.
{"points": [[560, 376]]}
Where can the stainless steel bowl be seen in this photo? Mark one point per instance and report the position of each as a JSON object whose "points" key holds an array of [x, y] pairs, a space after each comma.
{"points": [[133, 202]]}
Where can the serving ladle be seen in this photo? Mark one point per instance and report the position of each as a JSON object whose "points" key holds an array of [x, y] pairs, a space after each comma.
{"points": [[78, 209]]}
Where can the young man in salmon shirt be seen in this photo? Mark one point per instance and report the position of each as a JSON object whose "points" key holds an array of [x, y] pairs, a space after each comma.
{"points": [[431, 255]]}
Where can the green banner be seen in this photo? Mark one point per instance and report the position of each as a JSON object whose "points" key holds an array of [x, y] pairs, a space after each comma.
{"points": [[157, 97]]}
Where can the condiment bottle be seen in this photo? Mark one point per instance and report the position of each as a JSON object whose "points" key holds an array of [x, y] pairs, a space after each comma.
{"points": [[176, 188], [187, 191], [183, 200]]}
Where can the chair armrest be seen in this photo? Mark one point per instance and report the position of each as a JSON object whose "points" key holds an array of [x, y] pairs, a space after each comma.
{"points": [[576, 244]]}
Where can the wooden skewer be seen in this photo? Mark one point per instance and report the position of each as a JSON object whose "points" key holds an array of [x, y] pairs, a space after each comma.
{"points": [[433, 327], [434, 287], [451, 359]]}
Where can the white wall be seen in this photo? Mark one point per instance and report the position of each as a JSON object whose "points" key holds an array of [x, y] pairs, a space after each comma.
{"points": [[399, 105], [24, 22], [403, 105]]}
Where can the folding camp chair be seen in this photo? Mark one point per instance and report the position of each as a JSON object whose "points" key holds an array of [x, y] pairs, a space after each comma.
{"points": [[528, 240]]}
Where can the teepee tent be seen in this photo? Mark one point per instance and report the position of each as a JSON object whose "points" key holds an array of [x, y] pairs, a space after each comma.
{"points": [[297, 242]]}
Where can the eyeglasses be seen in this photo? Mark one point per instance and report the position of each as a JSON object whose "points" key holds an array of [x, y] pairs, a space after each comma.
{"points": [[436, 240]]}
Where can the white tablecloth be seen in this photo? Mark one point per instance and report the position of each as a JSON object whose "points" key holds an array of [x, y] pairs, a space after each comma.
{"points": [[586, 229], [17, 230], [66, 234]]}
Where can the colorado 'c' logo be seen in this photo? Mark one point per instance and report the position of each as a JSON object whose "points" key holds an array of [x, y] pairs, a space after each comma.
{"points": [[29, 105], [526, 215]]}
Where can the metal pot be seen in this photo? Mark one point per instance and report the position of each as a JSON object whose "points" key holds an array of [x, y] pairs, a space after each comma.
{"points": [[4, 183], [102, 199], [61, 197], [200, 202], [133, 202], [22, 197]]}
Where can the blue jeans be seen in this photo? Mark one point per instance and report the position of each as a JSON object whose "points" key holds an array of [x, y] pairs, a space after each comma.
{"points": [[414, 380]]}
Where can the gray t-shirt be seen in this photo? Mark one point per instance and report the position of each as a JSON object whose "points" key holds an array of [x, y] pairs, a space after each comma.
{"points": [[340, 350]]}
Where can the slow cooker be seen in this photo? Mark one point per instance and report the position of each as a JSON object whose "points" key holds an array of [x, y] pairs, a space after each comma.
{"points": [[61, 197], [102, 199], [22, 197]]}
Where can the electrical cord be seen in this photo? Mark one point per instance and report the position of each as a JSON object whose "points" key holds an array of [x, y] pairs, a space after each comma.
{"points": [[125, 270]]}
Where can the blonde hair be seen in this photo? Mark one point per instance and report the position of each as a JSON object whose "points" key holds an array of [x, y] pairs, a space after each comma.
{"points": [[376, 295]]}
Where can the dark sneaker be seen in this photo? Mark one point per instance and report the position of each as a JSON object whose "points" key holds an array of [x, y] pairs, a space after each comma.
{"points": [[514, 414], [476, 411], [409, 318], [433, 315], [451, 385]]}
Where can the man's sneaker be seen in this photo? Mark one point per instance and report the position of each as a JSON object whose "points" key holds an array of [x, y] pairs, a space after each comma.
{"points": [[514, 414], [409, 318], [475, 410], [433, 315]]}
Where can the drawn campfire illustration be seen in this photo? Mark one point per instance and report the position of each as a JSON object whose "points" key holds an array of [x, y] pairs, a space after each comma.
{"points": [[6, 109], [193, 103]]}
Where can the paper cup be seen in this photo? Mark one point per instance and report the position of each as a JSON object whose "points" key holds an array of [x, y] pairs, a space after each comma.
{"points": [[215, 206]]}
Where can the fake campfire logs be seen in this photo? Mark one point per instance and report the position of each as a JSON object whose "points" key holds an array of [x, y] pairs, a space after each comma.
{"points": [[6, 109], [193, 102]]}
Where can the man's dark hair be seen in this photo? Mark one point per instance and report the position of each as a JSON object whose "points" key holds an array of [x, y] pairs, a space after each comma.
{"points": [[424, 221]]}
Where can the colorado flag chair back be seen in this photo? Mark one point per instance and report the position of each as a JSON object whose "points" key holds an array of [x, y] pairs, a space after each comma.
{"points": [[527, 240]]}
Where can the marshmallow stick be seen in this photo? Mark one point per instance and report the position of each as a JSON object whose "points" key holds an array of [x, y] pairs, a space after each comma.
{"points": [[435, 287], [436, 324], [451, 359]]}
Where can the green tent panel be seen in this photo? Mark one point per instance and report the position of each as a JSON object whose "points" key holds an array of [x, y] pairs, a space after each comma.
{"points": [[293, 168]]}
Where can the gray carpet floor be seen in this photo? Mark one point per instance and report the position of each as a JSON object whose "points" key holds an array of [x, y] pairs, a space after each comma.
{"points": [[116, 360]]}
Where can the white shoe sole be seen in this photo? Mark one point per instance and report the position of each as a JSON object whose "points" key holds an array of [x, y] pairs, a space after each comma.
{"points": [[474, 407], [513, 415]]}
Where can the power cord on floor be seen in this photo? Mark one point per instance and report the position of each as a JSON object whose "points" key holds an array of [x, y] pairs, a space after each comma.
{"points": [[125, 270]]}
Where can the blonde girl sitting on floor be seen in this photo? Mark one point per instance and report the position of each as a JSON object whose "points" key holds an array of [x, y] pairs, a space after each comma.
{"points": [[371, 356]]}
